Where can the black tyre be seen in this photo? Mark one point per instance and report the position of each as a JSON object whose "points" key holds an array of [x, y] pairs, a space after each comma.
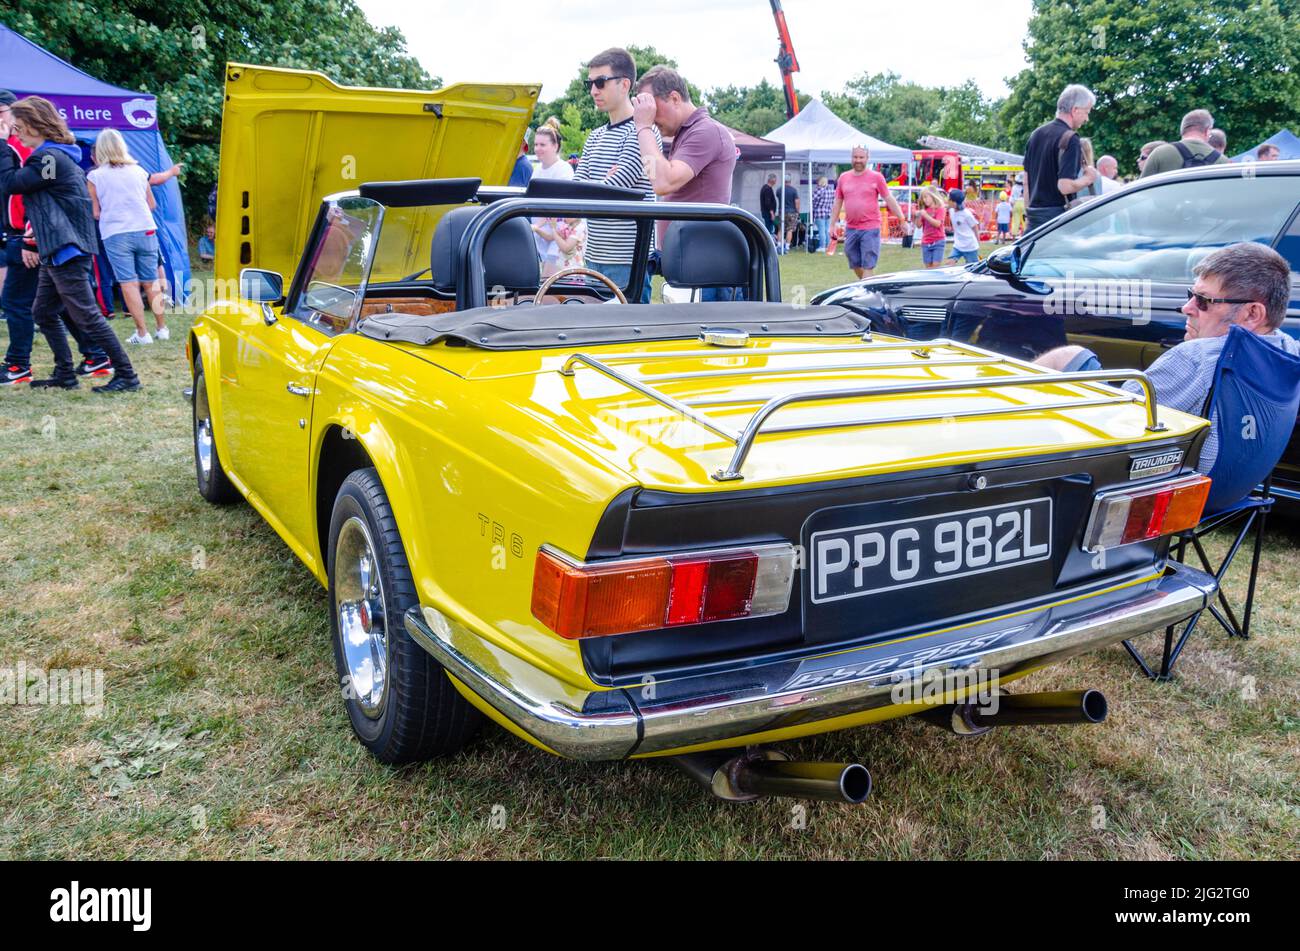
{"points": [[401, 704], [208, 470]]}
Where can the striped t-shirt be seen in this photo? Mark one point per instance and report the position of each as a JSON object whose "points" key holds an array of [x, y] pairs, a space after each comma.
{"points": [[612, 156]]}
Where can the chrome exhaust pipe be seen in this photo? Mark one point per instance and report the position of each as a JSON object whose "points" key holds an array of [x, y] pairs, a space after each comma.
{"points": [[1045, 709], [1022, 709], [829, 782], [757, 773]]}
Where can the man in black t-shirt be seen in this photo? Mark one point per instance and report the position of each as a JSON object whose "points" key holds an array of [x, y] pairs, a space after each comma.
{"points": [[1054, 167], [767, 203]]}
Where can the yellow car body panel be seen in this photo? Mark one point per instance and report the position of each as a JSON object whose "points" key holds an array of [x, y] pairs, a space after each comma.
{"points": [[665, 451], [290, 137], [486, 456], [440, 425]]}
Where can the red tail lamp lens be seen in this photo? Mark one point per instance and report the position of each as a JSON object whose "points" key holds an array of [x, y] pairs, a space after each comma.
{"points": [[620, 597], [1140, 514]]}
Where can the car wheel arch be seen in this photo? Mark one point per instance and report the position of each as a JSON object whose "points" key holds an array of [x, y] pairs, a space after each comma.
{"points": [[204, 350], [339, 456]]}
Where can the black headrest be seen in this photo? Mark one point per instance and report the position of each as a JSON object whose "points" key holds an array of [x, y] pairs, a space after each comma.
{"points": [[567, 188], [705, 254], [425, 191], [509, 257]]}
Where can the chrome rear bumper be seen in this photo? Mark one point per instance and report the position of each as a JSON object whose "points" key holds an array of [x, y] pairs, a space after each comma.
{"points": [[617, 723]]}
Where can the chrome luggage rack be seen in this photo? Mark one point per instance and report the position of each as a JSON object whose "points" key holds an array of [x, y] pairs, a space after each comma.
{"points": [[920, 352]]}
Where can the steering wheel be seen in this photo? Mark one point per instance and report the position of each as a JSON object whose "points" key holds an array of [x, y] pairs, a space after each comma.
{"points": [[572, 272]]}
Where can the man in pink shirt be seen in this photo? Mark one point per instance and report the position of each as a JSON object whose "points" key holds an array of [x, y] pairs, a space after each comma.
{"points": [[702, 158], [859, 193]]}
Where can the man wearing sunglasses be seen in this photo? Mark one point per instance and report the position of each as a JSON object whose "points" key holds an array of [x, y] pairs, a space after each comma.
{"points": [[1245, 284], [611, 156], [1144, 153]]}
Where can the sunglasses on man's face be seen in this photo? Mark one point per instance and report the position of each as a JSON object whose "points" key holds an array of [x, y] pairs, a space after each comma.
{"points": [[1204, 303], [599, 81]]}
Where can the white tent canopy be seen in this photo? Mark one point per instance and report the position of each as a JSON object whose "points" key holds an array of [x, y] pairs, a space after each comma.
{"points": [[818, 135]]}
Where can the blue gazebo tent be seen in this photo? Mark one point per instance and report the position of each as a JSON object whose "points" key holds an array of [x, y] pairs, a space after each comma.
{"points": [[1284, 140], [90, 105]]}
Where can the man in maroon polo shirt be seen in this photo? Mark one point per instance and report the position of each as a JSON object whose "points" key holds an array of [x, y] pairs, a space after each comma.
{"points": [[702, 158]]}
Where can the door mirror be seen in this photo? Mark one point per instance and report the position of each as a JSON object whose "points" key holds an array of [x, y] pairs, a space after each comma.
{"points": [[1006, 261], [261, 287]]}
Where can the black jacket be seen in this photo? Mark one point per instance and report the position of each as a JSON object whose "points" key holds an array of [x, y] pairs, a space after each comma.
{"points": [[55, 196], [767, 202]]}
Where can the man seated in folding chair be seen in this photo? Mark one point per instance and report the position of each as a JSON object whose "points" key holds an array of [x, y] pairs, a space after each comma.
{"points": [[1237, 369]]}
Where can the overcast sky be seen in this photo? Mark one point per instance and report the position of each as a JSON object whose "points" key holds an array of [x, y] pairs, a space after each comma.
{"points": [[716, 42]]}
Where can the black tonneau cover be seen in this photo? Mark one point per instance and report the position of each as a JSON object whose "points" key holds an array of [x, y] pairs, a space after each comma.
{"points": [[550, 325]]}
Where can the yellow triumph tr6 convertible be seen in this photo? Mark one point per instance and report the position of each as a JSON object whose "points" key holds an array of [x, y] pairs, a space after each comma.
{"points": [[625, 530]]}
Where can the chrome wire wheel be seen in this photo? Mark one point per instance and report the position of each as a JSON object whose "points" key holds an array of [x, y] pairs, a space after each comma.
{"points": [[362, 617], [202, 433]]}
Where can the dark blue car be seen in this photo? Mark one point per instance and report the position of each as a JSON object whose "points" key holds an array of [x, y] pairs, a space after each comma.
{"points": [[1111, 274]]}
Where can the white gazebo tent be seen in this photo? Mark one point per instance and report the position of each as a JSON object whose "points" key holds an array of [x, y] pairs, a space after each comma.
{"points": [[817, 135]]}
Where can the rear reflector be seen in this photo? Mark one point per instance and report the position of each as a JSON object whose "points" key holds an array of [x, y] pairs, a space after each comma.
{"points": [[1144, 512], [640, 594]]}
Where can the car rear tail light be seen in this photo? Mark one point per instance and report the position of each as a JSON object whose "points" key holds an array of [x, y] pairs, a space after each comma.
{"points": [[1145, 512], [641, 594]]}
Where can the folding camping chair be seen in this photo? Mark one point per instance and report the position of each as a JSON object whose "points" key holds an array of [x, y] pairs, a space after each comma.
{"points": [[1252, 404]]}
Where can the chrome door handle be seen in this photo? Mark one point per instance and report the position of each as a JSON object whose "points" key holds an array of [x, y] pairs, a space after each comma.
{"points": [[298, 390]]}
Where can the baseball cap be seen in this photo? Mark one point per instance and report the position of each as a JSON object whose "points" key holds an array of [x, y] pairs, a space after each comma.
{"points": [[7, 98], [957, 195]]}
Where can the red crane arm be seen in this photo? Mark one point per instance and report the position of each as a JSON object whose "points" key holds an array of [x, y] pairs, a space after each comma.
{"points": [[785, 59]]}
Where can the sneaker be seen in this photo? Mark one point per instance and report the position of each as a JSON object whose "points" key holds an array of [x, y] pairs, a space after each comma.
{"points": [[136, 338], [162, 333], [55, 383], [119, 384], [96, 366], [16, 374]]}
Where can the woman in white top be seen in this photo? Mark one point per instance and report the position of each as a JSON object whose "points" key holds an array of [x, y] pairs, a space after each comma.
{"points": [[546, 146], [124, 203]]}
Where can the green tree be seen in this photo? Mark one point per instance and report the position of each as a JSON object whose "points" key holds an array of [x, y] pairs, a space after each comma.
{"points": [[753, 109], [1151, 62], [176, 50], [965, 114], [883, 106]]}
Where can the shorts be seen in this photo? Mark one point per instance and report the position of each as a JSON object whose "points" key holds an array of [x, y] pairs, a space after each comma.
{"points": [[133, 256], [791, 220], [970, 257], [1004, 227], [932, 253], [862, 247]]}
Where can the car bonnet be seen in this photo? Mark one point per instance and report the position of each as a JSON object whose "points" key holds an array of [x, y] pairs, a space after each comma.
{"points": [[291, 137]]}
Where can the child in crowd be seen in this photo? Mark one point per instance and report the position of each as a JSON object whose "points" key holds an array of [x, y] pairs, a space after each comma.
{"points": [[965, 236], [570, 237], [1003, 212], [932, 212], [208, 243], [837, 234]]}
